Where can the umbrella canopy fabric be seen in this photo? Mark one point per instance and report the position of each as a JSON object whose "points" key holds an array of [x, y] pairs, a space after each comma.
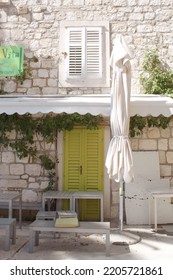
{"points": [[119, 161]]}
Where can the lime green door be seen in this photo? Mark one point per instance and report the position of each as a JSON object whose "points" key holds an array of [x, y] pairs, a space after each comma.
{"points": [[84, 167]]}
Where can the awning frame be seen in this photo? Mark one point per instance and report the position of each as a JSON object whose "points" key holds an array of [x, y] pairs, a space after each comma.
{"points": [[142, 105]]}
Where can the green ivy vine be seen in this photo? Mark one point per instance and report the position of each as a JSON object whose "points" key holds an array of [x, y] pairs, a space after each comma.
{"points": [[138, 123], [26, 128]]}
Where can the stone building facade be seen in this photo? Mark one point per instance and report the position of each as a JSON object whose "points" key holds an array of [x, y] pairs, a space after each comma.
{"points": [[36, 26]]}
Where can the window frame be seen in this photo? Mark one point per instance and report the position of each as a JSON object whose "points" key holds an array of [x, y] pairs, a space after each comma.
{"points": [[84, 81]]}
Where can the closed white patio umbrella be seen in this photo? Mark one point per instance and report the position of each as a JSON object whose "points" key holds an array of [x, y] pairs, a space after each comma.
{"points": [[119, 161]]}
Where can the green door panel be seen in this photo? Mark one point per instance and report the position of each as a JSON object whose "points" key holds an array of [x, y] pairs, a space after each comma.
{"points": [[93, 160], [84, 167], [72, 160]]}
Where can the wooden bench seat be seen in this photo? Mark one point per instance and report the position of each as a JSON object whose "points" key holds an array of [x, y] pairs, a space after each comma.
{"points": [[10, 231], [39, 226]]}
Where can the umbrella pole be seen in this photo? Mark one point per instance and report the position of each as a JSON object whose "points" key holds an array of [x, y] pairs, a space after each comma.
{"points": [[121, 203]]}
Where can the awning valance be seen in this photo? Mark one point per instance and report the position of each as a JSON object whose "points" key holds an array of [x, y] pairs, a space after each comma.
{"points": [[142, 105]]}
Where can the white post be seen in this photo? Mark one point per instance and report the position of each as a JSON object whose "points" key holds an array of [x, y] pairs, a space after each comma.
{"points": [[121, 200]]}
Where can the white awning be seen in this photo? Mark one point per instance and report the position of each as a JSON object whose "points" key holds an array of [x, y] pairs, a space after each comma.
{"points": [[153, 105], [142, 105]]}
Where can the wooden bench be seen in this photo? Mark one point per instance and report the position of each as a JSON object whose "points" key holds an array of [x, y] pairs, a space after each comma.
{"points": [[9, 225], [84, 227]]}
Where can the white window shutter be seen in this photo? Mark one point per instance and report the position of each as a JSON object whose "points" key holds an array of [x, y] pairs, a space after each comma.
{"points": [[76, 53], [85, 53], [94, 52]]}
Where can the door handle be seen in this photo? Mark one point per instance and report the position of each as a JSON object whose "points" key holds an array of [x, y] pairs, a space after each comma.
{"points": [[80, 169]]}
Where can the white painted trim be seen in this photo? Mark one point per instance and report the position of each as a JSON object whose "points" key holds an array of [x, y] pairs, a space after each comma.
{"points": [[142, 105], [63, 48]]}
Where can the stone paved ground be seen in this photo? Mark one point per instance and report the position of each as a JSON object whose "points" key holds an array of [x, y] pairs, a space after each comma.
{"points": [[136, 243]]}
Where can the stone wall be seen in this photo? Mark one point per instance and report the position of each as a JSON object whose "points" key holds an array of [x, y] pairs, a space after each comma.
{"points": [[35, 24], [25, 174]]}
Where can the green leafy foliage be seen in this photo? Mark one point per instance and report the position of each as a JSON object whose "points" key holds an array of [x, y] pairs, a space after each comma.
{"points": [[138, 123], [46, 162], [156, 77]]}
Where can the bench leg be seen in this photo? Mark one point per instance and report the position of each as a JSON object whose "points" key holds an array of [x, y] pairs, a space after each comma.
{"points": [[20, 212], [7, 238], [32, 240], [37, 238], [108, 244], [13, 232]]}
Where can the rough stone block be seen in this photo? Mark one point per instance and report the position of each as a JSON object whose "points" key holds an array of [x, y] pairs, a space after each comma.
{"points": [[171, 143], [22, 9], [144, 28], [16, 169], [10, 86], [37, 16], [165, 170], [119, 3], [50, 90], [34, 91], [33, 186], [163, 144], [20, 184], [43, 73], [39, 82], [147, 145], [33, 169], [4, 169], [154, 132], [162, 157], [169, 157], [166, 133], [52, 82], [7, 157]]}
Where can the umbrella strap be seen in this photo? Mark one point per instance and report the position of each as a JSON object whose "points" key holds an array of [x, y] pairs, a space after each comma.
{"points": [[123, 137]]}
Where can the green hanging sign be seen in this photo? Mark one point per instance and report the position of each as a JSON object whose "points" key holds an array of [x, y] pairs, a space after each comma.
{"points": [[11, 60]]}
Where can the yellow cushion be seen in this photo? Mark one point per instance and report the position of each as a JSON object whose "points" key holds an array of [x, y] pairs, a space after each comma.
{"points": [[66, 222]]}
